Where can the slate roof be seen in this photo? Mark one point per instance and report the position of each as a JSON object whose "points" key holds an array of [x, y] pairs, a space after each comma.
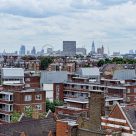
{"points": [[89, 71], [12, 72], [37, 127], [124, 74], [130, 112], [49, 77]]}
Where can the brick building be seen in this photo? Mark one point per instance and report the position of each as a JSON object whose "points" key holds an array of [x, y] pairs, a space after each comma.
{"points": [[32, 79], [19, 91], [30, 127], [121, 120], [66, 127], [123, 91], [74, 93], [85, 126], [15, 97]]}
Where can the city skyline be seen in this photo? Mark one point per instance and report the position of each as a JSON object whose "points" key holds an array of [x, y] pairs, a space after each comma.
{"points": [[36, 23]]}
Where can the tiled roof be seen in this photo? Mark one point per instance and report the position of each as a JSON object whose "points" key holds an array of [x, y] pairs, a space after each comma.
{"points": [[39, 127], [12, 72], [130, 112], [124, 74], [50, 77], [89, 71]]}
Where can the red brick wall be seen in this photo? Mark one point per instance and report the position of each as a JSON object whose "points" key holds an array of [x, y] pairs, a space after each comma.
{"points": [[19, 100], [59, 87], [34, 81], [69, 111], [62, 129]]}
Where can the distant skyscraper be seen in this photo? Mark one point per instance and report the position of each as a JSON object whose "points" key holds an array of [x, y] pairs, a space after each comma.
{"points": [[16, 52], [100, 50], [22, 50], [131, 52], [69, 48], [81, 51], [49, 50], [28, 52], [42, 52], [33, 51], [93, 48]]}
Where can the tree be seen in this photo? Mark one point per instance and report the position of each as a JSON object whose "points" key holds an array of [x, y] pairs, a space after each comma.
{"points": [[100, 63], [51, 105], [45, 61], [48, 105], [108, 61], [58, 103], [15, 117], [29, 111]]}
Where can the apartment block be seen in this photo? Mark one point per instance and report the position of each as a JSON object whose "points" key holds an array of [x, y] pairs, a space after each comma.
{"points": [[16, 97], [12, 75]]}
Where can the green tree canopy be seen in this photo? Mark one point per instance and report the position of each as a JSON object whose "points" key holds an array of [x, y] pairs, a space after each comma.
{"points": [[51, 105], [116, 60], [45, 61], [15, 117], [29, 111]]}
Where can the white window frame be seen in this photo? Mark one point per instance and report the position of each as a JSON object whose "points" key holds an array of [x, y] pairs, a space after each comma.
{"points": [[38, 107], [38, 95], [128, 90], [27, 79], [28, 98], [27, 85]]}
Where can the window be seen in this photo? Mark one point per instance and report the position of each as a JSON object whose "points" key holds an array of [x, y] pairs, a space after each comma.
{"points": [[128, 90], [27, 107], [81, 94], [134, 98], [38, 97], [134, 90], [27, 85], [73, 93], [128, 99], [28, 97], [27, 79], [110, 102], [38, 107]]}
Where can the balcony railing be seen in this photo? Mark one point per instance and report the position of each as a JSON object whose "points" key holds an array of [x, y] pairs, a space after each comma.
{"points": [[7, 108]]}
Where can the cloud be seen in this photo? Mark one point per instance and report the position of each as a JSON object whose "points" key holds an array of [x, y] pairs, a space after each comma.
{"points": [[38, 22], [46, 8]]}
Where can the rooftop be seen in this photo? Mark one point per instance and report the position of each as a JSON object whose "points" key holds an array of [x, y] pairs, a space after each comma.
{"points": [[94, 71]]}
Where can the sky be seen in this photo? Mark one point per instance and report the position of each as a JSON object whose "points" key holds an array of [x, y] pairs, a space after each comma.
{"points": [[40, 22]]}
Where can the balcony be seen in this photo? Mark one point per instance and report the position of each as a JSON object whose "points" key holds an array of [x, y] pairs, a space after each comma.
{"points": [[5, 117], [6, 96], [6, 107], [77, 100]]}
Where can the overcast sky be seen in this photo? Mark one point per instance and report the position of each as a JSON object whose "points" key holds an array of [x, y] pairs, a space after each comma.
{"points": [[38, 22]]}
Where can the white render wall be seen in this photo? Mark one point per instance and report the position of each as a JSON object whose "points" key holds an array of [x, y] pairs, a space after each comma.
{"points": [[49, 91], [12, 72]]}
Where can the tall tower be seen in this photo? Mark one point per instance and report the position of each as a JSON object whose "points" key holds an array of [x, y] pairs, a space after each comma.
{"points": [[22, 50], [33, 51], [69, 48], [102, 49], [93, 48]]}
